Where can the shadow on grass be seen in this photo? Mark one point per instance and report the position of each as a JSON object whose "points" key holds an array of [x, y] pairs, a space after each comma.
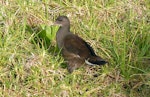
{"points": [[43, 37]]}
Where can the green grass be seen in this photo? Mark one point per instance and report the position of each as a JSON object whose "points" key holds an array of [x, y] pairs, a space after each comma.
{"points": [[31, 64]]}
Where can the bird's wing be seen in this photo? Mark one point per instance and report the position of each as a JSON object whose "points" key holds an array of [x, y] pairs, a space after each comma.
{"points": [[78, 46]]}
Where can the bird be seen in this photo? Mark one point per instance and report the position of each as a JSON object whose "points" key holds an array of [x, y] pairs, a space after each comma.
{"points": [[75, 50]]}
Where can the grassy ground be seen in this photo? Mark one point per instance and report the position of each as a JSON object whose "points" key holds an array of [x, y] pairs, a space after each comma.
{"points": [[118, 30]]}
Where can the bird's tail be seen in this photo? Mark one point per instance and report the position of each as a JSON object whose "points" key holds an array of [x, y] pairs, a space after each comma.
{"points": [[95, 60]]}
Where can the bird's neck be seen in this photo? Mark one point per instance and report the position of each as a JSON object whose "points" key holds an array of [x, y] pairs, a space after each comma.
{"points": [[64, 29], [61, 33]]}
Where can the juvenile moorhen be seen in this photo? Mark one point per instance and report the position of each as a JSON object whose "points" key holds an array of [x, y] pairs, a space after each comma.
{"points": [[75, 50]]}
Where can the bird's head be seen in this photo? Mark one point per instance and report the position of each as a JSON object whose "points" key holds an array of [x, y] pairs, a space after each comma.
{"points": [[62, 21]]}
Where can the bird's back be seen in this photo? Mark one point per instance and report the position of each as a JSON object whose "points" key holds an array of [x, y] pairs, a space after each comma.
{"points": [[76, 45]]}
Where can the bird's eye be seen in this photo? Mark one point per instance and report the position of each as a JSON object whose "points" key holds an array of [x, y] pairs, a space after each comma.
{"points": [[60, 20]]}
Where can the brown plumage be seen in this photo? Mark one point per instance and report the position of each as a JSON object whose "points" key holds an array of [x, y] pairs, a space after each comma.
{"points": [[75, 50]]}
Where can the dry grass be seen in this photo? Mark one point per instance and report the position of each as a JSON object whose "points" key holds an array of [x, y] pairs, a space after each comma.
{"points": [[30, 63]]}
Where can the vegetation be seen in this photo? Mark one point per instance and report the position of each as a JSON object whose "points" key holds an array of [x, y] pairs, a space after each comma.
{"points": [[118, 30]]}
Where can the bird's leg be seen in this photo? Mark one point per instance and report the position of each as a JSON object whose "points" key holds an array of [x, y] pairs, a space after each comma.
{"points": [[74, 64], [71, 68]]}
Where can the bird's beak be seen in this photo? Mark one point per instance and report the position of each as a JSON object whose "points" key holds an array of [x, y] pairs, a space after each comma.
{"points": [[57, 24], [49, 23], [54, 23]]}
